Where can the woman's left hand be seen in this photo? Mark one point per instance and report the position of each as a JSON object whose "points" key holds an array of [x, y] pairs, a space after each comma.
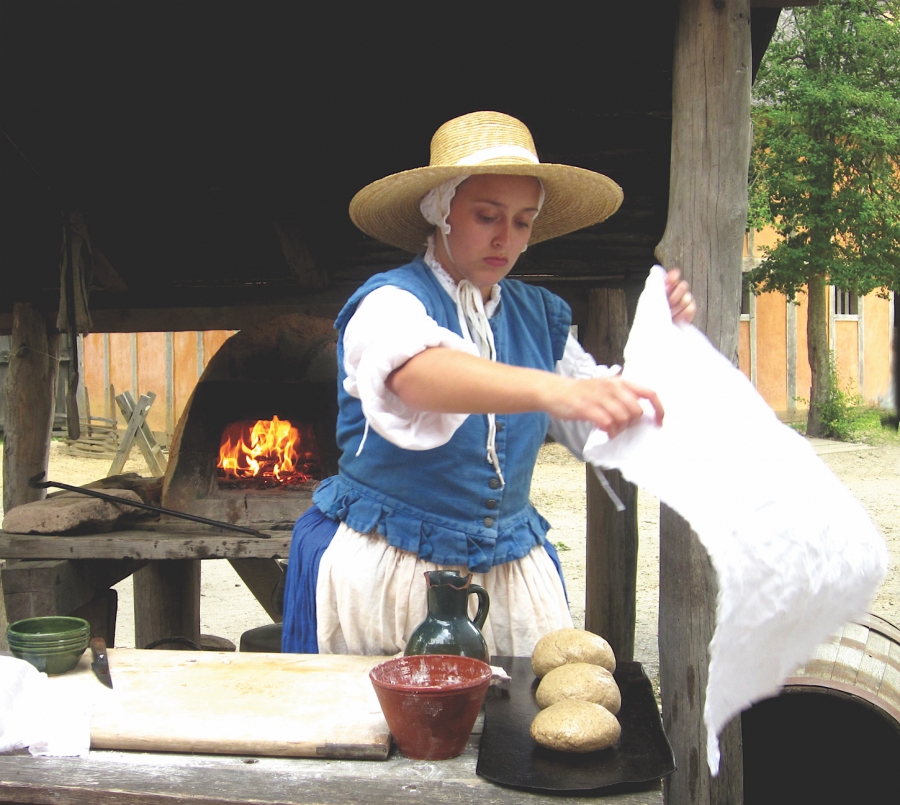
{"points": [[681, 300]]}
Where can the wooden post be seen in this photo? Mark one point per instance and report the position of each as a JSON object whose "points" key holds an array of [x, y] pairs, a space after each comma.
{"points": [[30, 391], [167, 601], [4, 645], [262, 577], [612, 536], [704, 237]]}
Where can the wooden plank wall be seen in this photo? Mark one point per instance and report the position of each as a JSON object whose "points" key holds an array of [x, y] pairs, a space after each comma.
{"points": [[168, 364]]}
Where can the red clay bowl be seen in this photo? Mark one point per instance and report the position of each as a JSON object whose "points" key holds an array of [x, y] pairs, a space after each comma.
{"points": [[431, 701]]}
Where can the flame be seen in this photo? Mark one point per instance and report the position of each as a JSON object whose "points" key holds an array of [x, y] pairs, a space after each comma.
{"points": [[270, 449]]}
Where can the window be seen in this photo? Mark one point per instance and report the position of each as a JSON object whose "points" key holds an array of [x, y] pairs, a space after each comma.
{"points": [[745, 296], [846, 303]]}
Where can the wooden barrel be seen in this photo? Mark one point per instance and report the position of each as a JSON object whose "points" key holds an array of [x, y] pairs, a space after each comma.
{"points": [[862, 662], [833, 734]]}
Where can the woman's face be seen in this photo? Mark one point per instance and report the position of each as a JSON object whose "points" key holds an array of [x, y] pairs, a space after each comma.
{"points": [[490, 224]]}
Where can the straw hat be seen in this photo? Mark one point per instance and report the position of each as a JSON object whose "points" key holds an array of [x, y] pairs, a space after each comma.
{"points": [[483, 142]]}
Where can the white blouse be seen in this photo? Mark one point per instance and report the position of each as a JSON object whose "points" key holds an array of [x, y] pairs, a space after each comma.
{"points": [[389, 327]]}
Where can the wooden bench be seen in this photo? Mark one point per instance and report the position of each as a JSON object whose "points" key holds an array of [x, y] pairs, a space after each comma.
{"points": [[65, 575]]}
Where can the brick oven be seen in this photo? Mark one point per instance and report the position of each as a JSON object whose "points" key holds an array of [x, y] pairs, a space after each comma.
{"points": [[266, 386]]}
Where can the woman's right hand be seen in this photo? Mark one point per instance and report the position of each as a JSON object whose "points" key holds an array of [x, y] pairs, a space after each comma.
{"points": [[609, 403]]}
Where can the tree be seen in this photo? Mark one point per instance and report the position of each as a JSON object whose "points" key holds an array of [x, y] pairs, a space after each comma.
{"points": [[825, 170]]}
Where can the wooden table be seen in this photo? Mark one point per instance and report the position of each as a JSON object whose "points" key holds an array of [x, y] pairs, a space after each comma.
{"points": [[137, 778], [56, 574], [116, 777]]}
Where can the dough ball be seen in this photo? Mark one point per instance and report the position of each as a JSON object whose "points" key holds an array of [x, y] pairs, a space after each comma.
{"points": [[575, 726], [580, 680], [571, 645]]}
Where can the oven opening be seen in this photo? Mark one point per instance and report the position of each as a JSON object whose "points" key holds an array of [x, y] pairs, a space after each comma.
{"points": [[268, 454]]}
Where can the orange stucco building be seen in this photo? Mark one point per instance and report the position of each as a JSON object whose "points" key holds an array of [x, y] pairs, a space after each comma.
{"points": [[772, 345]]}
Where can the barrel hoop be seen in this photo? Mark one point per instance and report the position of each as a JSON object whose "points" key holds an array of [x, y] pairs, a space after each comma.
{"points": [[880, 625], [799, 682]]}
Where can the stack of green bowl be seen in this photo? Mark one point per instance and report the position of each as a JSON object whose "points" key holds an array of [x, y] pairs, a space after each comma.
{"points": [[52, 644]]}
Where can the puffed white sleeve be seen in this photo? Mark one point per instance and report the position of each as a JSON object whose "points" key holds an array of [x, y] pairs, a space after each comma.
{"points": [[389, 327], [577, 363]]}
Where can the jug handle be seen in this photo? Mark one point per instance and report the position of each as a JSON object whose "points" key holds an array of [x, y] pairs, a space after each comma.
{"points": [[484, 604]]}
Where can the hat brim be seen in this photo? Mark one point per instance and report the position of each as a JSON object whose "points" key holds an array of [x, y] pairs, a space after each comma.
{"points": [[388, 209]]}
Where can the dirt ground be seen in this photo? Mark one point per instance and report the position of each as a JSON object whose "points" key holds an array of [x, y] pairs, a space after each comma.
{"points": [[228, 608]]}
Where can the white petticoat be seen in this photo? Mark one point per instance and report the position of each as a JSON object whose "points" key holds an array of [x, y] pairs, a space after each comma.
{"points": [[370, 597]]}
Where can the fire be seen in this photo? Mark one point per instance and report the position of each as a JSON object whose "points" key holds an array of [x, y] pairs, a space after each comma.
{"points": [[275, 451]]}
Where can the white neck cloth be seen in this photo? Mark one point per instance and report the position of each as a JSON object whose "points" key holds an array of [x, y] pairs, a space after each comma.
{"points": [[476, 329]]}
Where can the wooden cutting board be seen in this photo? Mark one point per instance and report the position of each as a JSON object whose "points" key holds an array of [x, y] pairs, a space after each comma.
{"points": [[294, 705]]}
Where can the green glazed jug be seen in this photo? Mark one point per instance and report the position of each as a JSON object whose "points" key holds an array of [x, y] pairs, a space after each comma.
{"points": [[447, 628]]}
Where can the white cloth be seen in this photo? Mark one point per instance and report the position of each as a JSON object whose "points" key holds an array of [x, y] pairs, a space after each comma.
{"points": [[41, 714], [370, 597], [435, 204], [795, 554]]}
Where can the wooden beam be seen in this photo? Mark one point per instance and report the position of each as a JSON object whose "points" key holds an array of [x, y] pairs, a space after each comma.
{"points": [[167, 602], [226, 317], [30, 396], [43, 588], [782, 3], [101, 613], [4, 622], [612, 535], [704, 237], [297, 256], [262, 577], [59, 587], [167, 778], [160, 542]]}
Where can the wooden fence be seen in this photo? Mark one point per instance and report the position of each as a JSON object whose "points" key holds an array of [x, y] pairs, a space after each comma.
{"points": [[168, 364]]}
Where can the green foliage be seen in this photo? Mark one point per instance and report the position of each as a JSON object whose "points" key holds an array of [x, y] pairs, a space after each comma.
{"points": [[874, 426], [844, 416], [825, 170], [863, 424], [561, 546], [871, 426], [838, 412]]}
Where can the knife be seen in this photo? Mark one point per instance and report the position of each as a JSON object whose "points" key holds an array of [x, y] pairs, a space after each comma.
{"points": [[100, 663]]}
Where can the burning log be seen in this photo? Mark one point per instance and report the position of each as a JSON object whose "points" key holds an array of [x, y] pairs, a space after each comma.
{"points": [[265, 454]]}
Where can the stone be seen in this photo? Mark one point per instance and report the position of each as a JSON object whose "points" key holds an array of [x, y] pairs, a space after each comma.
{"points": [[150, 489], [72, 513]]}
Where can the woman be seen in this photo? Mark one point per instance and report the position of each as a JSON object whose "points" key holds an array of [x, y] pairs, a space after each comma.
{"points": [[449, 378]]}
